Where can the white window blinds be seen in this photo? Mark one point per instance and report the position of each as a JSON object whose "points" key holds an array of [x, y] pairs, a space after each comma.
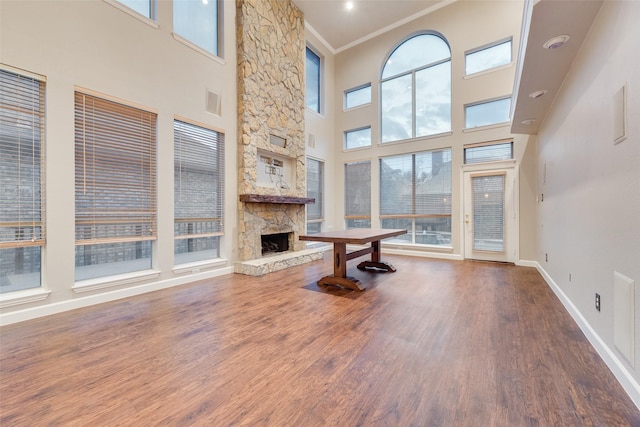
{"points": [[357, 192], [315, 189], [416, 185], [488, 213], [115, 150], [198, 181], [22, 208]]}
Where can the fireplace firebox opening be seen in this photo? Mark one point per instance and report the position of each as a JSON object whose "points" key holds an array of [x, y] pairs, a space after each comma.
{"points": [[274, 243]]}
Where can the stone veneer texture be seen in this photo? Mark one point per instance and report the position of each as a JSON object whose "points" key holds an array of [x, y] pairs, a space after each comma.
{"points": [[271, 46]]}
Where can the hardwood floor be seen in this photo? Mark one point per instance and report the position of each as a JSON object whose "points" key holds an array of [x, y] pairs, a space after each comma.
{"points": [[438, 343]]}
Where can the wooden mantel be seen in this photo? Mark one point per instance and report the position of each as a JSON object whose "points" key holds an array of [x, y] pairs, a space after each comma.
{"points": [[263, 198]]}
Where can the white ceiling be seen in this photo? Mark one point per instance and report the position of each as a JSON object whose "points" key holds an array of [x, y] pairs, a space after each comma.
{"points": [[342, 29], [545, 69]]}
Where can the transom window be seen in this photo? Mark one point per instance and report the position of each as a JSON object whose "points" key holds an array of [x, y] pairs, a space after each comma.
{"points": [[487, 113], [489, 152], [357, 96], [357, 138], [415, 90], [199, 23], [488, 57]]}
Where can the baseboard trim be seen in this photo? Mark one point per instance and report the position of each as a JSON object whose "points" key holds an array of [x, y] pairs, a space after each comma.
{"points": [[59, 307], [617, 366]]}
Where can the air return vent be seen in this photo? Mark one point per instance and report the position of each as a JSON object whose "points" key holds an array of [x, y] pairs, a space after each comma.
{"points": [[213, 102]]}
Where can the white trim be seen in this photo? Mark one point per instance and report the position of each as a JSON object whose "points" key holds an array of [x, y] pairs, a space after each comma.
{"points": [[126, 9], [115, 280], [444, 252], [617, 366], [198, 49], [59, 307], [23, 297], [195, 267], [395, 25]]}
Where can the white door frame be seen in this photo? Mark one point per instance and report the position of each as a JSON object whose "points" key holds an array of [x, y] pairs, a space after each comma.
{"points": [[512, 215]]}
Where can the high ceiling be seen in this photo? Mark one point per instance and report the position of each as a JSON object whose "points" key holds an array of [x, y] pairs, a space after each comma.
{"points": [[342, 28]]}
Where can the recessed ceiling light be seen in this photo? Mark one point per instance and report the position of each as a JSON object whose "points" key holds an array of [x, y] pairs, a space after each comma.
{"points": [[349, 5], [528, 122], [556, 42], [537, 93]]}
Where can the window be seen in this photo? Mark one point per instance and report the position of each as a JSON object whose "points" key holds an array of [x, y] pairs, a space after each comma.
{"points": [[313, 77], [115, 151], [198, 192], [315, 189], [145, 8], [487, 113], [358, 96], [357, 195], [490, 152], [488, 57], [415, 193], [415, 91], [357, 138], [22, 233], [199, 23]]}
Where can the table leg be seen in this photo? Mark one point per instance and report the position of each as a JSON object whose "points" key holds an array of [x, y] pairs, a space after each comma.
{"points": [[375, 262], [340, 277]]}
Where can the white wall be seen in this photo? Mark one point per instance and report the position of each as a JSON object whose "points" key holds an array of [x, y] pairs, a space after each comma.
{"points": [[589, 221], [94, 45]]}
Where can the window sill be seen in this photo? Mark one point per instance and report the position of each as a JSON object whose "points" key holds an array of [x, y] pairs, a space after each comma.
{"points": [[23, 297], [112, 281], [196, 267], [490, 70], [419, 138], [198, 49], [357, 107], [315, 113], [133, 13], [486, 127], [417, 248]]}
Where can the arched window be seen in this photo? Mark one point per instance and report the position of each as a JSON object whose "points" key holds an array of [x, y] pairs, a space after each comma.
{"points": [[415, 89]]}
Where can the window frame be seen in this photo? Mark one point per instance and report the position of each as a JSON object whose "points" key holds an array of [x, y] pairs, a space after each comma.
{"points": [[216, 185], [108, 143], [346, 134], [149, 20], [465, 149], [412, 72], [320, 87], [487, 47], [486, 102], [347, 92], [219, 34], [413, 216], [33, 117], [356, 216], [319, 201]]}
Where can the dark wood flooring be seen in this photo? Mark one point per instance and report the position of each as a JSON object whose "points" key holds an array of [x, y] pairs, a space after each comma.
{"points": [[438, 343]]}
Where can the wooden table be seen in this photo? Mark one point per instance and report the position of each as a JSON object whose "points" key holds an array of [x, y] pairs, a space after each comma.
{"points": [[355, 236]]}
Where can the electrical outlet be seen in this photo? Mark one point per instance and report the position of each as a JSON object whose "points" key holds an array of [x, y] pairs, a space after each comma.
{"points": [[546, 257], [597, 301]]}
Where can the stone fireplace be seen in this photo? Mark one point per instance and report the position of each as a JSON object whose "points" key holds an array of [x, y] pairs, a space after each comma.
{"points": [[271, 148]]}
